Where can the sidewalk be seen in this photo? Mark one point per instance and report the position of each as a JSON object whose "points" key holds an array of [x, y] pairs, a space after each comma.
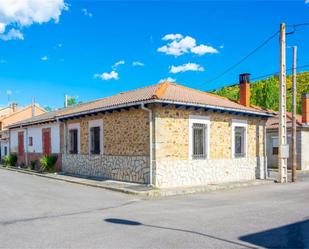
{"points": [[136, 188]]}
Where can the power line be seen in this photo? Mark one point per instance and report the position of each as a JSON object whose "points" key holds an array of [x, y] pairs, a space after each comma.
{"points": [[242, 59], [265, 76], [294, 26]]}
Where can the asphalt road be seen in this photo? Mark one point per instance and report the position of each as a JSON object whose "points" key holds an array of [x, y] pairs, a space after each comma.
{"points": [[43, 213]]}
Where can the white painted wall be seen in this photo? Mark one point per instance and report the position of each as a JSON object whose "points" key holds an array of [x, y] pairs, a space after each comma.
{"points": [[305, 149], [36, 133]]}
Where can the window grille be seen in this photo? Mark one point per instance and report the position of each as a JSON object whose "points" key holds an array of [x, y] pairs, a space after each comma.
{"points": [[239, 141], [95, 140], [199, 141], [73, 141]]}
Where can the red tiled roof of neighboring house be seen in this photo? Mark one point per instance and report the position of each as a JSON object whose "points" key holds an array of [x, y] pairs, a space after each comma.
{"points": [[162, 92], [273, 122]]}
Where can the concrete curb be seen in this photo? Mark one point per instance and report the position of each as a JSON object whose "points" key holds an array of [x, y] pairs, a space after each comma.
{"points": [[147, 193], [81, 182]]}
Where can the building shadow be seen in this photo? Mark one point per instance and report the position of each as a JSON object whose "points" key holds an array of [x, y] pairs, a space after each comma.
{"points": [[136, 223], [295, 235]]}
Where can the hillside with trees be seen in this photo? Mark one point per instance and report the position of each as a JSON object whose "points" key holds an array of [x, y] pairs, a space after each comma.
{"points": [[265, 93]]}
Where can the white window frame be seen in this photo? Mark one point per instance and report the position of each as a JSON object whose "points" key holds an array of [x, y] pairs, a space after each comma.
{"points": [[239, 123], [74, 126], [96, 123], [194, 119]]}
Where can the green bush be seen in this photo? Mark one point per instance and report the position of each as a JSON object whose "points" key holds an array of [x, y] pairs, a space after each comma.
{"points": [[10, 160], [48, 162], [32, 164]]}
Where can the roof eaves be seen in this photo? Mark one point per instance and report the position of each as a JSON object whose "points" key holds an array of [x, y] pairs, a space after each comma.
{"points": [[265, 114], [24, 124]]}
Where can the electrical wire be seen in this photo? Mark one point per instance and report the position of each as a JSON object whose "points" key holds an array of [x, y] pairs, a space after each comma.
{"points": [[260, 77], [242, 59], [294, 26]]}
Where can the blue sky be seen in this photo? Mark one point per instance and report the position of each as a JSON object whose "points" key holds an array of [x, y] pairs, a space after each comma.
{"points": [[70, 52]]}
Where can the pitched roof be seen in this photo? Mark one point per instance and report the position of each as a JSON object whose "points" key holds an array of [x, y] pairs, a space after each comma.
{"points": [[273, 122], [164, 92]]}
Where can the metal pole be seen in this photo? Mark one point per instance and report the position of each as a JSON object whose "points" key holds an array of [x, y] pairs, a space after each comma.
{"points": [[282, 161], [294, 152]]}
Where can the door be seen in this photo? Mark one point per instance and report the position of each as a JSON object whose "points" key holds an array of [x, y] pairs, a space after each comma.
{"points": [[46, 141], [21, 145]]}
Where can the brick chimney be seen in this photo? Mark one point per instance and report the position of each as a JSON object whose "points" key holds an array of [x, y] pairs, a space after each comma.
{"points": [[305, 108], [244, 89]]}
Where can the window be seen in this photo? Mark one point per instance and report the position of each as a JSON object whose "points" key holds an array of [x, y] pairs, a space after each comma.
{"points": [[239, 141], [73, 141], [274, 143], [30, 141], [198, 137], [5, 150], [199, 141], [95, 140], [239, 138]]}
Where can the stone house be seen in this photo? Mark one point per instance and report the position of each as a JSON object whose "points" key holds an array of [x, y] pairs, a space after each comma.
{"points": [[166, 135], [302, 137], [13, 114]]}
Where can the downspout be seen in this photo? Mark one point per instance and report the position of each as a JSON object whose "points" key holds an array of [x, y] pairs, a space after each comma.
{"points": [[64, 138], [150, 142], [26, 152], [265, 152]]}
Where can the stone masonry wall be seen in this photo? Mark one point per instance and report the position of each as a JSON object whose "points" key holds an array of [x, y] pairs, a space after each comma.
{"points": [[172, 165], [124, 168], [175, 173], [172, 134], [124, 133], [125, 148]]}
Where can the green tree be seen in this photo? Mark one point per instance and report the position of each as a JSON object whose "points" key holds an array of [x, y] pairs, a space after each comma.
{"points": [[72, 100]]}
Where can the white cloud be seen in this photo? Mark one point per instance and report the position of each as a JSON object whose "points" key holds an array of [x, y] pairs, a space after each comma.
{"points": [[222, 46], [107, 76], [23, 13], [118, 63], [86, 12], [203, 49], [44, 58], [172, 37], [9, 92], [179, 46], [60, 45], [186, 67], [169, 79], [306, 1], [12, 34], [137, 64]]}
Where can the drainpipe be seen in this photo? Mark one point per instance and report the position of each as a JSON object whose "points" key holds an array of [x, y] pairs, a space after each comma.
{"points": [[265, 152], [26, 152], [150, 141], [64, 138]]}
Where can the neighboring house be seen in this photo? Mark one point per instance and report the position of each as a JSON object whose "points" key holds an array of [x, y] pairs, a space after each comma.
{"points": [[302, 137], [165, 134], [10, 115]]}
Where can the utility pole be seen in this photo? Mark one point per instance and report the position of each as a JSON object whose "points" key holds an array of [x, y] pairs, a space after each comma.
{"points": [[282, 157], [294, 152]]}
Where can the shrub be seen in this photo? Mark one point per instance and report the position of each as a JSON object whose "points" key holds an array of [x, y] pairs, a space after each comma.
{"points": [[48, 162], [10, 160], [32, 164]]}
